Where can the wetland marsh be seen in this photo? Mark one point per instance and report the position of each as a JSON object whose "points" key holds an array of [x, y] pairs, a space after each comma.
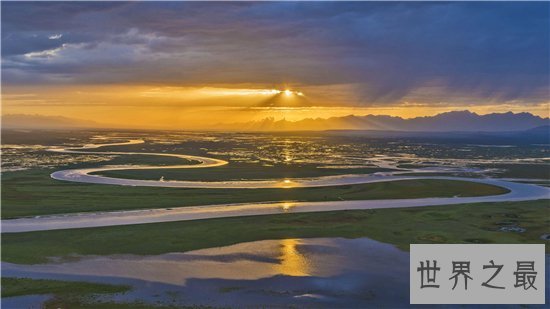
{"points": [[428, 171]]}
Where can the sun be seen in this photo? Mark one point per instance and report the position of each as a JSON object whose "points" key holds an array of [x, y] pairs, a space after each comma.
{"points": [[289, 92]]}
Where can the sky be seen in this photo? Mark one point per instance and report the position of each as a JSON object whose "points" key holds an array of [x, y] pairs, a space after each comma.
{"points": [[191, 65]]}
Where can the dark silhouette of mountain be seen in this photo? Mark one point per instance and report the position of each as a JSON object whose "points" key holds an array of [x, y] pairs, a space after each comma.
{"points": [[22, 121], [536, 136], [540, 135], [445, 122], [539, 130]]}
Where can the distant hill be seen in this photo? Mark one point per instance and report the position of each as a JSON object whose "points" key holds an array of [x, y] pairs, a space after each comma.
{"points": [[445, 122], [457, 121], [539, 136], [21, 121], [539, 130]]}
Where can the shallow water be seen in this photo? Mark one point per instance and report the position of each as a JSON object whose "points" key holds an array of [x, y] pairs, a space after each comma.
{"points": [[314, 272], [518, 192], [317, 272]]}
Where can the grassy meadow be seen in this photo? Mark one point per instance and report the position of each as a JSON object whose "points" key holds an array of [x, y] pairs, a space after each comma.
{"points": [[467, 223], [33, 192]]}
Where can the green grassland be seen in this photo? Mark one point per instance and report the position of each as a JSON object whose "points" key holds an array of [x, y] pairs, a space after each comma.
{"points": [[238, 171], [69, 294], [536, 171], [24, 286], [467, 223], [520, 170], [33, 192], [84, 303], [139, 159]]}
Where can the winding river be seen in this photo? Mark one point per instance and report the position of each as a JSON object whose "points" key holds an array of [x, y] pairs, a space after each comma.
{"points": [[517, 192]]}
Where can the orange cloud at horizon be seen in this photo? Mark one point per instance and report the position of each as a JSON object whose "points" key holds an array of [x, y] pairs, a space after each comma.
{"points": [[173, 107]]}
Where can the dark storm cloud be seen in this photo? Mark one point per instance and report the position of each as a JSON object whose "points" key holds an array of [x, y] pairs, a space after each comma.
{"points": [[493, 50]]}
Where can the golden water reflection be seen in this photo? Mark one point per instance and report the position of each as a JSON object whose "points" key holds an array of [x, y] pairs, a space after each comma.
{"points": [[287, 183], [243, 261], [292, 262], [287, 206]]}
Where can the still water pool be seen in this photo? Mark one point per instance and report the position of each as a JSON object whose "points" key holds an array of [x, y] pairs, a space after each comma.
{"points": [[318, 272]]}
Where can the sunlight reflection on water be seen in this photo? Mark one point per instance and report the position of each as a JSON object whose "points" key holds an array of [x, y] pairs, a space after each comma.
{"points": [[254, 260], [317, 272]]}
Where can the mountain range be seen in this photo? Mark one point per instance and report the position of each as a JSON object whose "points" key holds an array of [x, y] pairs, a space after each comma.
{"points": [[444, 122], [461, 121], [24, 121]]}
